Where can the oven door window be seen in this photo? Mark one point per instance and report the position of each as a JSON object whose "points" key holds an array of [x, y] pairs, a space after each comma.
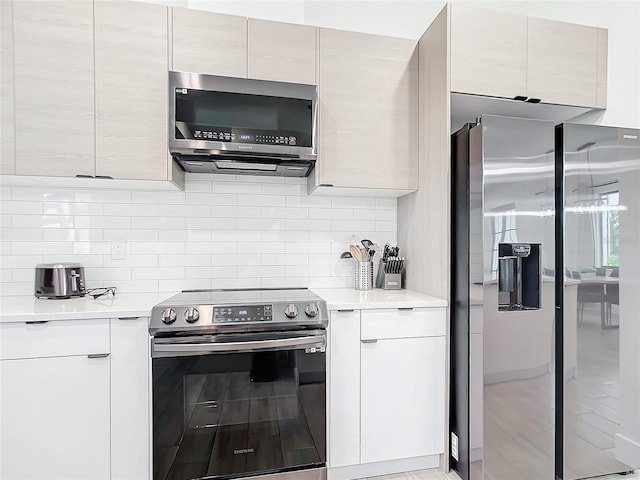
{"points": [[230, 414], [243, 118]]}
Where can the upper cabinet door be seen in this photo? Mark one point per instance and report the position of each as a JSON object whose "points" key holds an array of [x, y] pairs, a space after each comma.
{"points": [[562, 63], [281, 51], [54, 87], [210, 43], [131, 46], [488, 52], [368, 111]]}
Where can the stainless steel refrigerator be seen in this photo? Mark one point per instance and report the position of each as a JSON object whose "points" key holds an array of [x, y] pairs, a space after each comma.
{"points": [[531, 396]]}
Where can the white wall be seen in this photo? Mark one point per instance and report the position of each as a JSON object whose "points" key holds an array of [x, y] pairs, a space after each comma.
{"points": [[221, 232]]}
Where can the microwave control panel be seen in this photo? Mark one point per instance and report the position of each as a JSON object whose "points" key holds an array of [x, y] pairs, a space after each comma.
{"points": [[236, 135]]}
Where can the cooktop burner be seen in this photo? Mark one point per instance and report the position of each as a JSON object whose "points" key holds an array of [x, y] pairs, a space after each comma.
{"points": [[212, 311]]}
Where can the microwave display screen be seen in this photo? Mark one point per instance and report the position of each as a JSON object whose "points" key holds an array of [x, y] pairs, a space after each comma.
{"points": [[243, 118]]}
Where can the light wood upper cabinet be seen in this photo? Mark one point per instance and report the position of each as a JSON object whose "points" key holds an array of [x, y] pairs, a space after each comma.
{"points": [[211, 43], [281, 51], [502, 54], [562, 62], [368, 135], [488, 52], [54, 87], [131, 55], [7, 144]]}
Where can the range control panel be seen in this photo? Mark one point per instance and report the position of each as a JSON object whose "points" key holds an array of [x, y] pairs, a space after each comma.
{"points": [[253, 313]]}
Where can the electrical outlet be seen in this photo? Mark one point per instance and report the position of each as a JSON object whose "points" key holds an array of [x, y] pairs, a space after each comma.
{"points": [[454, 446], [118, 250]]}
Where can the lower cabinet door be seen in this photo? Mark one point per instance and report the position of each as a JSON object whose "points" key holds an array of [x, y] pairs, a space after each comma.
{"points": [[130, 408], [402, 398], [55, 418]]}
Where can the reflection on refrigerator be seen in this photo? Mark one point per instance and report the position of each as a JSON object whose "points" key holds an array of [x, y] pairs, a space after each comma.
{"points": [[541, 218]]}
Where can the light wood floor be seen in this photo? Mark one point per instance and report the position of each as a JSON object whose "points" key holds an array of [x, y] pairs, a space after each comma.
{"points": [[437, 474]]}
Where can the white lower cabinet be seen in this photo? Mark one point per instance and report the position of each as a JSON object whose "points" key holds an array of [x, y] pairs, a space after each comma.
{"points": [[344, 388], [386, 385], [74, 400], [402, 398], [55, 418], [130, 442]]}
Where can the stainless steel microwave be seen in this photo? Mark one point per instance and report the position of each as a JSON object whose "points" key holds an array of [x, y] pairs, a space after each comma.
{"points": [[242, 126]]}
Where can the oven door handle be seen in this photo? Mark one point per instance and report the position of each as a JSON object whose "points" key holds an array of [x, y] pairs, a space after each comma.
{"points": [[178, 349]]}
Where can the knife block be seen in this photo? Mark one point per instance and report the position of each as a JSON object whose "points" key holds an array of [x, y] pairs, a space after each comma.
{"points": [[388, 281]]}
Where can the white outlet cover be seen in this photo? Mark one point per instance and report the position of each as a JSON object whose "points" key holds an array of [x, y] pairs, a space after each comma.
{"points": [[118, 250]]}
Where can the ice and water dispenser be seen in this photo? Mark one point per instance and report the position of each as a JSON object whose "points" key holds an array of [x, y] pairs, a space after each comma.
{"points": [[519, 276]]}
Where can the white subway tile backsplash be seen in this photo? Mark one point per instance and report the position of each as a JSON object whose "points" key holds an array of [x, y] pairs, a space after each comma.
{"points": [[285, 259], [42, 221], [74, 208], [306, 201], [16, 288], [237, 188], [353, 202], [331, 213], [21, 234], [262, 200], [132, 209], [187, 260], [284, 189], [223, 232], [40, 248], [222, 259], [87, 248], [22, 208], [158, 197], [260, 247], [43, 194], [102, 196], [157, 273], [352, 225], [260, 271]]}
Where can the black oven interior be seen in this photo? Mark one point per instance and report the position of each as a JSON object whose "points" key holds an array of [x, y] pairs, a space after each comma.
{"points": [[238, 414]]}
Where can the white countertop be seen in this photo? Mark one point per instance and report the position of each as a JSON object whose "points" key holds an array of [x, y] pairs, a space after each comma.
{"points": [[350, 298], [25, 309]]}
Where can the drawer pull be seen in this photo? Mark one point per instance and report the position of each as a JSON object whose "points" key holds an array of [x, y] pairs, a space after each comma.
{"points": [[405, 308], [37, 322], [370, 341], [98, 355], [128, 318], [347, 310]]}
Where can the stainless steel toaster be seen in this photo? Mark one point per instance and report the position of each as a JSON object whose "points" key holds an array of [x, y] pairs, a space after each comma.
{"points": [[59, 280]]}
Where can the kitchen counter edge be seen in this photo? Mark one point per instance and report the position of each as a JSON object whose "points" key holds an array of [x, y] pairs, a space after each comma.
{"points": [[351, 299], [123, 305]]}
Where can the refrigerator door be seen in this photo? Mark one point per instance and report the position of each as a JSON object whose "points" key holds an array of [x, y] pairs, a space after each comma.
{"points": [[599, 170], [512, 169]]}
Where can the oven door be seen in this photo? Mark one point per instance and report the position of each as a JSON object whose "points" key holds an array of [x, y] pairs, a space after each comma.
{"points": [[234, 405]]}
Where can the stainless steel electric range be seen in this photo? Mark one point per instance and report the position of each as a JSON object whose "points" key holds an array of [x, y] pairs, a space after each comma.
{"points": [[239, 381]]}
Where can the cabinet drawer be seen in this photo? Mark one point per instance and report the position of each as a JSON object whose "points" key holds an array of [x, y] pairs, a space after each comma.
{"points": [[403, 323], [54, 338]]}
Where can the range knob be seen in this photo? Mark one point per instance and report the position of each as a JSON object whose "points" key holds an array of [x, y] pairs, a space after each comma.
{"points": [[291, 311], [191, 315], [311, 310], [168, 315]]}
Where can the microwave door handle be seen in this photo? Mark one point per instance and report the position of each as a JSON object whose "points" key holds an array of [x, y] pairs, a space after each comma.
{"points": [[318, 341]]}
